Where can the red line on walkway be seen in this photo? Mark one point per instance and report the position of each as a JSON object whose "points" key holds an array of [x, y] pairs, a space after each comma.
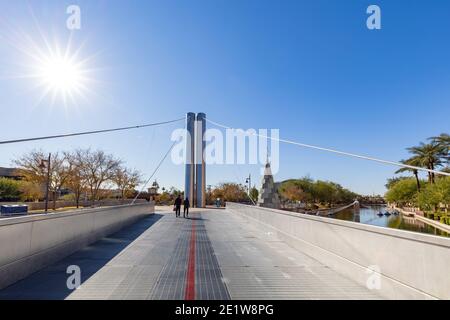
{"points": [[190, 276]]}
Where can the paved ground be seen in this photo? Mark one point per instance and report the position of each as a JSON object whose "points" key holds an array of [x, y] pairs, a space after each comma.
{"points": [[212, 255]]}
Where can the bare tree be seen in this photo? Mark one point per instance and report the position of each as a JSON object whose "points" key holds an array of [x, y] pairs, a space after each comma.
{"points": [[80, 170], [59, 175], [126, 180], [31, 168], [98, 168], [76, 181]]}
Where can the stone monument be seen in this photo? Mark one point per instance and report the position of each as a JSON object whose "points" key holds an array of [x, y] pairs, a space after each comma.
{"points": [[268, 195]]}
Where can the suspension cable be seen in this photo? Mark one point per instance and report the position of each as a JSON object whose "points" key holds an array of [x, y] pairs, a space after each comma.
{"points": [[90, 132], [399, 164], [154, 172]]}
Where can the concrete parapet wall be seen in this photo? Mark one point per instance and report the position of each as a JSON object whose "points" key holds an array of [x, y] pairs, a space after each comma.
{"points": [[411, 265], [30, 243], [63, 203]]}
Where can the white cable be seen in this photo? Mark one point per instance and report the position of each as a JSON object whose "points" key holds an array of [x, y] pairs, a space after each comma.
{"points": [[90, 132], [154, 172], [251, 199], [339, 152]]}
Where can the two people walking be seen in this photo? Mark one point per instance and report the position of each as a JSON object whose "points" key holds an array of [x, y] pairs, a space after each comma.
{"points": [[186, 206]]}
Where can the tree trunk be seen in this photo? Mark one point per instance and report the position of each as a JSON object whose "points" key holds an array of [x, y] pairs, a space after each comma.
{"points": [[77, 199], [432, 174], [92, 196], [416, 174], [54, 200]]}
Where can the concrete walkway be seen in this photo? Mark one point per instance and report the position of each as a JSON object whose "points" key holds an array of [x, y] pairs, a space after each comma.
{"points": [[212, 255]]}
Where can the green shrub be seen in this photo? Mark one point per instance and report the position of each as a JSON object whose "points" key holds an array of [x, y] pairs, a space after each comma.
{"points": [[403, 192], [435, 195], [9, 190]]}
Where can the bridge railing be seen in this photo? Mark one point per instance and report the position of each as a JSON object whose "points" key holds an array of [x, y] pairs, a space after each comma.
{"points": [[30, 243], [408, 265]]}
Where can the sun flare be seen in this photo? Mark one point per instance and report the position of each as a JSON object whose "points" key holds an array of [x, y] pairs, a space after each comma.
{"points": [[61, 74]]}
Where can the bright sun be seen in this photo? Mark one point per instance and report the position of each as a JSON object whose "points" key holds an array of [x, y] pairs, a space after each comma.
{"points": [[62, 75]]}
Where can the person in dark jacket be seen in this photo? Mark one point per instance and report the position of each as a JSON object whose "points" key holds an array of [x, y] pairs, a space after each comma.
{"points": [[177, 205], [186, 208]]}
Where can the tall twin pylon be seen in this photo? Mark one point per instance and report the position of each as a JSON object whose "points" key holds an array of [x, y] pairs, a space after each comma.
{"points": [[195, 175]]}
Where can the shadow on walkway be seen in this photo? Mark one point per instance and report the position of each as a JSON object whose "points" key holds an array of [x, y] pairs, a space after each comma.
{"points": [[196, 218], [50, 282]]}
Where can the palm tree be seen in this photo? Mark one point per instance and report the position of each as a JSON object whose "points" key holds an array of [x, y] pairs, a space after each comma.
{"points": [[444, 138], [416, 162], [444, 141], [429, 155]]}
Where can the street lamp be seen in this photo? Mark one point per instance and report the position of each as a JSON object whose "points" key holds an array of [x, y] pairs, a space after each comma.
{"points": [[46, 164], [249, 182]]}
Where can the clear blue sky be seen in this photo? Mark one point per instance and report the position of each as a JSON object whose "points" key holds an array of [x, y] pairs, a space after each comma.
{"points": [[310, 68]]}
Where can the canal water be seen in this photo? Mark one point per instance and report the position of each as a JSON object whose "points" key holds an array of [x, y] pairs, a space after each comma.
{"points": [[369, 216]]}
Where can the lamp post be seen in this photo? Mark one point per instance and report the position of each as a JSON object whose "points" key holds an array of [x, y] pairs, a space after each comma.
{"points": [[249, 182], [46, 164]]}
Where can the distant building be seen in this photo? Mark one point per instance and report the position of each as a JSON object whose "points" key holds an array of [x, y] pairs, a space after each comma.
{"points": [[10, 173], [268, 195]]}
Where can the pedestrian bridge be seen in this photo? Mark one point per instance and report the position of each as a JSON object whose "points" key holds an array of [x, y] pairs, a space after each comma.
{"points": [[242, 252]]}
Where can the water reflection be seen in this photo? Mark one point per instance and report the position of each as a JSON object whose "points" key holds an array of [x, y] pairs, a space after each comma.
{"points": [[370, 216]]}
